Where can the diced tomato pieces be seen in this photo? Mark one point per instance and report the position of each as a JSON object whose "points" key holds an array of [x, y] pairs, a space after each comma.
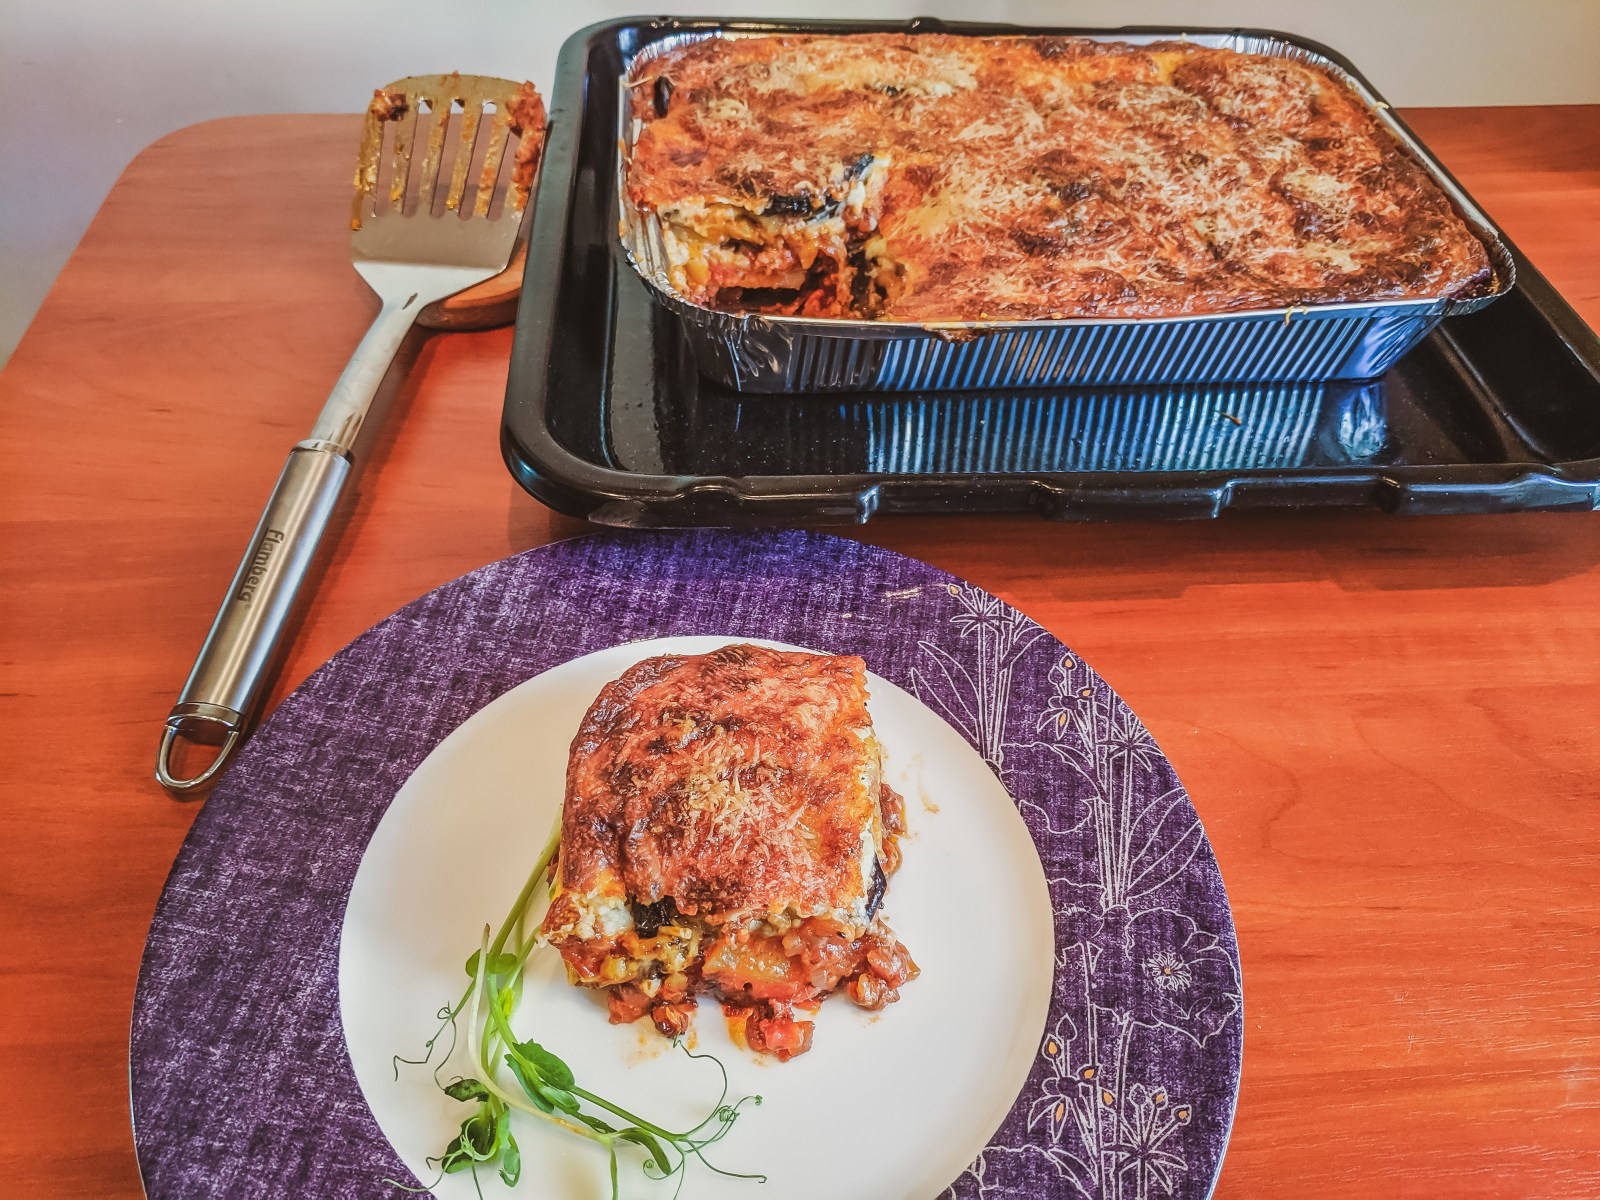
{"points": [[780, 1034], [625, 1003]]}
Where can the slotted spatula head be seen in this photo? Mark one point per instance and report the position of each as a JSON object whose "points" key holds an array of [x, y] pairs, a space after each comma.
{"points": [[444, 171]]}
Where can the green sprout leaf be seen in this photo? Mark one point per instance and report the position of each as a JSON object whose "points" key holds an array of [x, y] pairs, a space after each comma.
{"points": [[510, 1162], [564, 1100], [595, 1123], [499, 964], [456, 1157], [551, 1067], [530, 1081], [480, 1132], [550, 1088]]}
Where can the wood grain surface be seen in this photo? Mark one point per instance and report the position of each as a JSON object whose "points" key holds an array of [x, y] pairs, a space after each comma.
{"points": [[1387, 724]]}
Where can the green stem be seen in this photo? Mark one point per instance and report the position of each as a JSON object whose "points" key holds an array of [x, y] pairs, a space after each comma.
{"points": [[503, 1027], [618, 1111], [526, 894]]}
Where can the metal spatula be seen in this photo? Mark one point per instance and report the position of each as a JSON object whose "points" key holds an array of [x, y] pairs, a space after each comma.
{"points": [[424, 226]]}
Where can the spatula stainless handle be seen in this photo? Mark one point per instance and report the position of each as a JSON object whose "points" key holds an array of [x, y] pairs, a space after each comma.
{"points": [[247, 636], [236, 661]]}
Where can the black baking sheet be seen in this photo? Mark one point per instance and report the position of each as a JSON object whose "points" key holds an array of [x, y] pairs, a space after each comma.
{"points": [[606, 416]]}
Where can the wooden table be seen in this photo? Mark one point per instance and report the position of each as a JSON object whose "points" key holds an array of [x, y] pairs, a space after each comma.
{"points": [[1387, 724]]}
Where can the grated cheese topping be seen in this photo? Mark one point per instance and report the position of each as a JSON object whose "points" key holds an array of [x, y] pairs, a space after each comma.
{"points": [[1025, 177]]}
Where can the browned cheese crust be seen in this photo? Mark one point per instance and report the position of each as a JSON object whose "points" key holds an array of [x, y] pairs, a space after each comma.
{"points": [[931, 177], [729, 783]]}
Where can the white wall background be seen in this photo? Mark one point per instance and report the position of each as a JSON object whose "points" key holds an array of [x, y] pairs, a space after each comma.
{"points": [[85, 84]]}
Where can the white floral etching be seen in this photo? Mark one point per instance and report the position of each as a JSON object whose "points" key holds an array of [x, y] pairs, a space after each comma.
{"points": [[977, 702], [1135, 976]]}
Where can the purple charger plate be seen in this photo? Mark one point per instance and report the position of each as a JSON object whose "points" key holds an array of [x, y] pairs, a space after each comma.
{"points": [[241, 1081]]}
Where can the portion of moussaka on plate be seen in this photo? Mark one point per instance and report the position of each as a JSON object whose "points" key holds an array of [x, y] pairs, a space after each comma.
{"points": [[932, 177], [727, 830]]}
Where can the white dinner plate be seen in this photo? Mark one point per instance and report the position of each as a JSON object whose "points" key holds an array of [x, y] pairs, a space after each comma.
{"points": [[885, 1105]]}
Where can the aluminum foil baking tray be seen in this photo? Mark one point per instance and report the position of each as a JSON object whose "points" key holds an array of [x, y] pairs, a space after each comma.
{"points": [[752, 352]]}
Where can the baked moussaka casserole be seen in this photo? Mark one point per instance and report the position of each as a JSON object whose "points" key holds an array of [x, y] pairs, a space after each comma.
{"points": [[940, 178], [727, 830]]}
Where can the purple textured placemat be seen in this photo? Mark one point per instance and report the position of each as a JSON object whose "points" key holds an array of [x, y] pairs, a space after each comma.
{"points": [[241, 1082]]}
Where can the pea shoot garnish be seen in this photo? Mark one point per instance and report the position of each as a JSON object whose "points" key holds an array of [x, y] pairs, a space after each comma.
{"points": [[512, 1074]]}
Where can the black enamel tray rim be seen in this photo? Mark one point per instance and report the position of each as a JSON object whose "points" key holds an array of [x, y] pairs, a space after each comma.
{"points": [[609, 495]]}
